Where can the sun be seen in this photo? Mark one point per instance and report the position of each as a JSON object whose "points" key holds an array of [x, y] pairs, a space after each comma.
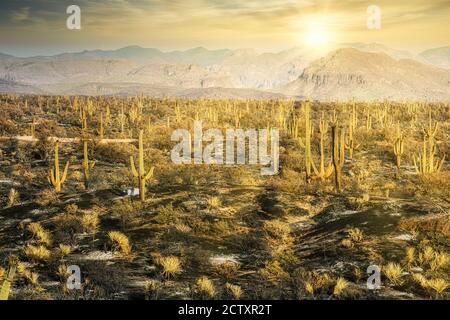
{"points": [[316, 35]]}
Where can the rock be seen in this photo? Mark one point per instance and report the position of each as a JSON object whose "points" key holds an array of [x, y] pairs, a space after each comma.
{"points": [[221, 259], [404, 237]]}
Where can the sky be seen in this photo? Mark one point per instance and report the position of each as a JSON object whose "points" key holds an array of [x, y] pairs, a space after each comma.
{"points": [[38, 27]]}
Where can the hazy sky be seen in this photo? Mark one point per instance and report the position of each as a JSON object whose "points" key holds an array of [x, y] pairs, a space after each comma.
{"points": [[30, 27]]}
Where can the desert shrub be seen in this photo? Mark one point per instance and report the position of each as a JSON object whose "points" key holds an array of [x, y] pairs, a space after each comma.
{"points": [[233, 290], [171, 266], [37, 253], [120, 241], [38, 232], [206, 287]]}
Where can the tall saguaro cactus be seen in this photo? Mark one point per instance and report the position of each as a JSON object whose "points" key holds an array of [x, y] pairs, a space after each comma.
{"points": [[54, 176], [338, 154], [142, 175], [350, 144], [308, 132], [425, 162], [87, 164], [322, 173], [398, 147]]}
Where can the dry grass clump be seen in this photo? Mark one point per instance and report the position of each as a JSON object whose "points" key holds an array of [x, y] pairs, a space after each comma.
{"points": [[120, 242], [167, 214], [273, 271], [2, 272], [214, 202], [439, 223], [354, 235], [152, 288], [276, 229], [233, 290], [340, 286], [171, 266], [410, 257], [64, 249], [441, 260], [62, 271], [227, 269], [438, 285], [393, 272], [37, 253], [32, 277], [90, 222], [182, 228], [43, 236], [47, 197], [71, 209], [205, 287], [13, 198]]}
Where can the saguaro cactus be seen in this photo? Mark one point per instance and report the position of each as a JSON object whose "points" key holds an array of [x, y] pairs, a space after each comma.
{"points": [[142, 175], [87, 164], [308, 132], [398, 148], [6, 286], [101, 129], [323, 173], [350, 144], [425, 162], [338, 154], [54, 177]]}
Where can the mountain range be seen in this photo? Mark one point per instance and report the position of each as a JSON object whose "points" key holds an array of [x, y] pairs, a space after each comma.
{"points": [[345, 71]]}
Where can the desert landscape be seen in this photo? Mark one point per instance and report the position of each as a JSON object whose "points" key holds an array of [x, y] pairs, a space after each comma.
{"points": [[69, 194], [209, 158]]}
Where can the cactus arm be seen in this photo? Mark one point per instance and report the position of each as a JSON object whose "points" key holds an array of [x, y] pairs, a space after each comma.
{"points": [[64, 176], [315, 168], [149, 173], [133, 168]]}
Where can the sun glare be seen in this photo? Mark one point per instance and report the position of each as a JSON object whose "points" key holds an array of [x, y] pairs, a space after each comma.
{"points": [[316, 35]]}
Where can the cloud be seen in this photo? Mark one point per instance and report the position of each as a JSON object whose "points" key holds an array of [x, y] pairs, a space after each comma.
{"points": [[20, 15]]}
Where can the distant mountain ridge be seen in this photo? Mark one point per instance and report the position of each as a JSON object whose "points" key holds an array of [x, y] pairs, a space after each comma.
{"points": [[349, 73], [365, 71]]}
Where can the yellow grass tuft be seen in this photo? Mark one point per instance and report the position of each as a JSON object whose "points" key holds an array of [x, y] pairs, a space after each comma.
{"points": [[233, 290], [393, 272], [171, 266], [441, 259], [206, 287], [340, 286], [355, 235], [65, 249], [214, 202], [90, 222], [439, 285], [13, 197], [309, 288], [120, 241], [38, 253], [410, 256], [43, 236]]}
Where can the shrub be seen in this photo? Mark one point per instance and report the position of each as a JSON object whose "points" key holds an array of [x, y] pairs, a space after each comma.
{"points": [[206, 287], [120, 241], [171, 266], [37, 253]]}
